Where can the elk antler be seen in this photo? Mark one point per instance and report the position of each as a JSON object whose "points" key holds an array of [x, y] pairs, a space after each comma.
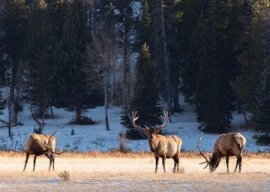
{"points": [[55, 132], [165, 119], [59, 153], [206, 160], [133, 118], [35, 118]]}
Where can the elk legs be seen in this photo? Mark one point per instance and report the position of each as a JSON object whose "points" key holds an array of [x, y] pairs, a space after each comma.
{"points": [[50, 163], [157, 159], [176, 163], [26, 160], [163, 162], [51, 158], [227, 163], [53, 161], [238, 163], [34, 162]]}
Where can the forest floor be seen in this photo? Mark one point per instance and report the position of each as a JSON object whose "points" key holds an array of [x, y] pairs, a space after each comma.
{"points": [[114, 171]]}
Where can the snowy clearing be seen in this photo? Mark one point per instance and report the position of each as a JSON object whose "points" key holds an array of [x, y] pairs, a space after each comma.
{"points": [[96, 138]]}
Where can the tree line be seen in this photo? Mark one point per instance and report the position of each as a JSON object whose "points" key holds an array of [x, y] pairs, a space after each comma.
{"points": [[80, 53]]}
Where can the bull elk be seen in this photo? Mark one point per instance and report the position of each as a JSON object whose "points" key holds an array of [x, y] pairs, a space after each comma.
{"points": [[39, 144], [162, 146], [226, 145]]}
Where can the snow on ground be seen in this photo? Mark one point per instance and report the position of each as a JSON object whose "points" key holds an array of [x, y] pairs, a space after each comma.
{"points": [[96, 138]]}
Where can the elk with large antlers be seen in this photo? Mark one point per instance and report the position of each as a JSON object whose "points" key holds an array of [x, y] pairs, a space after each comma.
{"points": [[39, 144], [162, 146], [226, 145]]}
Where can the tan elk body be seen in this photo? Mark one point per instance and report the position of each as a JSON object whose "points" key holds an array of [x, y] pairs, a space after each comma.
{"points": [[40, 144], [162, 146], [226, 145]]}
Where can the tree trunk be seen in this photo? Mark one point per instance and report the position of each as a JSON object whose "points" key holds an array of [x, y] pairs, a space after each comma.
{"points": [[51, 110], [78, 113], [166, 62], [176, 105], [125, 72], [106, 96], [43, 108], [11, 103], [10, 117], [245, 116], [241, 109]]}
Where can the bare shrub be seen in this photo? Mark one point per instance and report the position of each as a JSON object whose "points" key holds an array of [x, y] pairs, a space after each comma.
{"points": [[122, 145], [64, 175]]}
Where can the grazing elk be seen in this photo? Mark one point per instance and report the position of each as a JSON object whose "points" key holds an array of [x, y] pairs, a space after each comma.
{"points": [[161, 146], [227, 145], [39, 144]]}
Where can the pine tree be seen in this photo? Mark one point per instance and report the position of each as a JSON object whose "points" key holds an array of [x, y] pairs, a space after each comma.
{"points": [[58, 11], [125, 32], [188, 35], [37, 53], [103, 46], [174, 16], [216, 69], [14, 25], [165, 16], [250, 60], [262, 112], [145, 61], [74, 81], [145, 99], [145, 25]]}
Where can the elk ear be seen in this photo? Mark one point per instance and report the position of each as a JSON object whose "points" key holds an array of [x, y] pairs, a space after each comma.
{"points": [[147, 132], [45, 151]]}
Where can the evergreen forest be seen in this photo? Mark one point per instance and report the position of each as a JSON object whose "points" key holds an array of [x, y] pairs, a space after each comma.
{"points": [[141, 55]]}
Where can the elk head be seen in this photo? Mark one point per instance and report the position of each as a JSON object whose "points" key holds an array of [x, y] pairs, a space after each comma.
{"points": [[212, 161], [149, 132]]}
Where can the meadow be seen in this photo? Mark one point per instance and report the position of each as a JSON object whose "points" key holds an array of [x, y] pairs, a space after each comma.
{"points": [[113, 171]]}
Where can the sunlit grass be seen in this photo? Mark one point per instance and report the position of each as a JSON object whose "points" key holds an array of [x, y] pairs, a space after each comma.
{"points": [[117, 153], [134, 172]]}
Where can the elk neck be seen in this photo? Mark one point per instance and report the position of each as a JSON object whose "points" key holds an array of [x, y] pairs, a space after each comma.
{"points": [[214, 161], [154, 142]]}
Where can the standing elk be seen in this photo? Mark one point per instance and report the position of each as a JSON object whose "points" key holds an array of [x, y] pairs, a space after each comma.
{"points": [[227, 145], [162, 146], [39, 144]]}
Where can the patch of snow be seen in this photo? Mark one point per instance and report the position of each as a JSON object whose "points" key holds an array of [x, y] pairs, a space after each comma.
{"points": [[96, 138]]}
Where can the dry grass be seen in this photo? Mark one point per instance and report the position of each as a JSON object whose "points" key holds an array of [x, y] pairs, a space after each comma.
{"points": [[116, 154], [132, 172], [64, 175]]}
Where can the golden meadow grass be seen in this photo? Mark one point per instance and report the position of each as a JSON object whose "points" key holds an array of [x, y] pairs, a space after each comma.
{"points": [[115, 153], [113, 171]]}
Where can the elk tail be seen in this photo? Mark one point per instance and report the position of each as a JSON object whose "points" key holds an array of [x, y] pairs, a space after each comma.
{"points": [[240, 141]]}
